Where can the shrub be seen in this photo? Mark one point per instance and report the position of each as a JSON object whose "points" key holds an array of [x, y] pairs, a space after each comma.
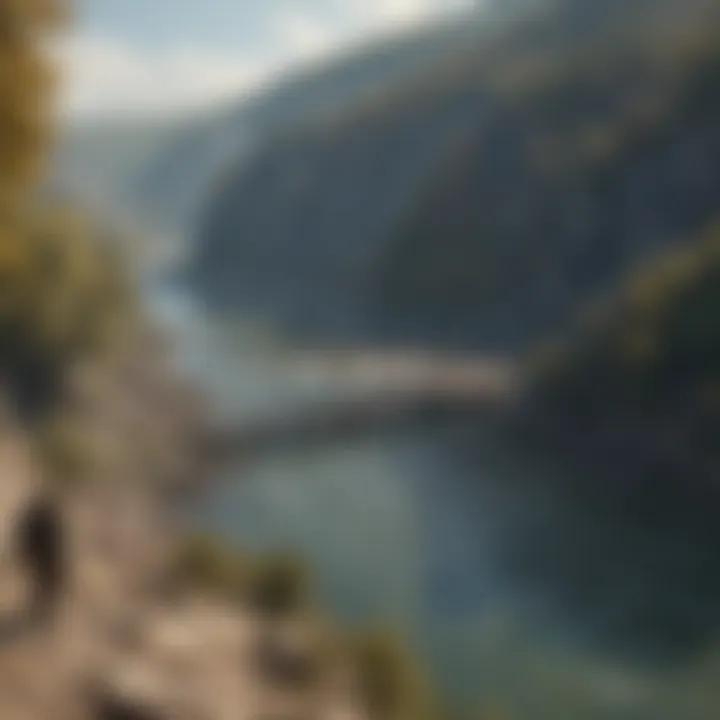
{"points": [[60, 295], [278, 586], [392, 686], [206, 564]]}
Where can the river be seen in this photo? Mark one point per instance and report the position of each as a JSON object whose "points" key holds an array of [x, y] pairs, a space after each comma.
{"points": [[366, 517], [397, 530]]}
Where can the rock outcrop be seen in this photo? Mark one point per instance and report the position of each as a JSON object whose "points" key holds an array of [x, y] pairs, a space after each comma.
{"points": [[129, 637]]}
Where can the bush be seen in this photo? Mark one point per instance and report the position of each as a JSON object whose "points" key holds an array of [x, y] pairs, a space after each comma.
{"points": [[278, 586], [275, 586], [392, 686], [205, 564], [655, 338], [62, 295]]}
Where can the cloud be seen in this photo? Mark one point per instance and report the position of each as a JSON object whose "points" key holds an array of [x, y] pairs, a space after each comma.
{"points": [[111, 77], [303, 37], [106, 77], [388, 16]]}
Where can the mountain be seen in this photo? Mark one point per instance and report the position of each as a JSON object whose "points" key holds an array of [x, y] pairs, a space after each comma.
{"points": [[556, 180], [478, 203], [488, 201], [161, 172]]}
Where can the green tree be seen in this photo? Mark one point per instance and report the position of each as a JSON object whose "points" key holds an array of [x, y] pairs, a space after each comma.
{"points": [[392, 685], [59, 292]]}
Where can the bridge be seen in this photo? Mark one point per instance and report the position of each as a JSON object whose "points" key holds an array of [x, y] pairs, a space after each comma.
{"points": [[367, 393]]}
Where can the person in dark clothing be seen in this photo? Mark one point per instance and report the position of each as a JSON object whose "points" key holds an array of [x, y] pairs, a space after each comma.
{"points": [[41, 547], [286, 666], [107, 707]]}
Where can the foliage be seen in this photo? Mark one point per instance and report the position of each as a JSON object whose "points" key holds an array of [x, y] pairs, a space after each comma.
{"points": [[657, 337], [25, 93], [391, 684], [60, 293], [278, 586], [204, 563]]}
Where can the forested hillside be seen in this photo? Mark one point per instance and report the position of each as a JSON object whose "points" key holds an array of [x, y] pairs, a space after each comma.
{"points": [[604, 496], [478, 206]]}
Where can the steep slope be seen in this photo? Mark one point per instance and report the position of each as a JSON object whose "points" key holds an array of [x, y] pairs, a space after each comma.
{"points": [[572, 181], [480, 203], [151, 623], [604, 497], [161, 171]]}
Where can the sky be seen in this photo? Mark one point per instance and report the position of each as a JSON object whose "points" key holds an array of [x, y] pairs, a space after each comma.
{"points": [[151, 57]]}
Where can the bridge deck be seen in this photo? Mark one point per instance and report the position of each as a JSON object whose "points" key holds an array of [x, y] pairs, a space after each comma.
{"points": [[366, 393]]}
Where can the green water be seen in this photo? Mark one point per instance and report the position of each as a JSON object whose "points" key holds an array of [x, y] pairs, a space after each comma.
{"points": [[353, 512], [359, 516]]}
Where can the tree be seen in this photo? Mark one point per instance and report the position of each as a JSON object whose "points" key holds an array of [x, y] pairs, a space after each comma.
{"points": [[26, 94], [59, 292]]}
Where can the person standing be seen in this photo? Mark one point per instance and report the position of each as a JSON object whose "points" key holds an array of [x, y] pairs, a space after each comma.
{"points": [[41, 539]]}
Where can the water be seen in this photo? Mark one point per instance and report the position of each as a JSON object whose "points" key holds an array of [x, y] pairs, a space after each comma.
{"points": [[353, 512], [387, 536], [400, 530]]}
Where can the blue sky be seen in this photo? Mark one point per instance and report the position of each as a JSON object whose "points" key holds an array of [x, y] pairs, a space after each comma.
{"points": [[135, 57]]}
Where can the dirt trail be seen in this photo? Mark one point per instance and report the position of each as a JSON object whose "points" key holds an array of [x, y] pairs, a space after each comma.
{"points": [[117, 648]]}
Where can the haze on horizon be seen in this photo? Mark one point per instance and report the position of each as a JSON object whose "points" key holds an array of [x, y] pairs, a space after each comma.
{"points": [[133, 59]]}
